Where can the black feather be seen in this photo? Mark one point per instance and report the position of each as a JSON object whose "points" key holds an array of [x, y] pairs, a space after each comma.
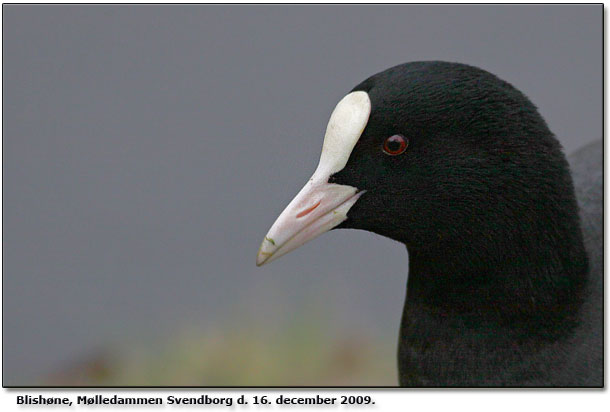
{"points": [[484, 201]]}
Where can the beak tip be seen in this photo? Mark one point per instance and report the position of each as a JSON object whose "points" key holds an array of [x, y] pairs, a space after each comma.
{"points": [[262, 257], [261, 260]]}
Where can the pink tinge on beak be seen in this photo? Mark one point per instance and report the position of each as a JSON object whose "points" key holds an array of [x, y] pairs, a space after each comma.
{"points": [[308, 211], [316, 209], [320, 205]]}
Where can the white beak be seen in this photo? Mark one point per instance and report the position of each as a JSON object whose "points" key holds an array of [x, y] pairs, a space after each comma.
{"points": [[317, 208], [320, 205]]}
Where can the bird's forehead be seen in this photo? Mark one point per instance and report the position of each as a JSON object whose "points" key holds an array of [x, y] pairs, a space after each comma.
{"points": [[346, 124]]}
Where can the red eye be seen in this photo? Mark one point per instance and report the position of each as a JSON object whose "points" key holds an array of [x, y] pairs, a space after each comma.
{"points": [[395, 145]]}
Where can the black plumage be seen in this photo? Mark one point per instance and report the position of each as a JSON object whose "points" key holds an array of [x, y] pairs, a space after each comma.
{"points": [[483, 199], [504, 287]]}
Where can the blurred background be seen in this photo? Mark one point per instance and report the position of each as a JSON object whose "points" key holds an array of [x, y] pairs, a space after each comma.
{"points": [[147, 150]]}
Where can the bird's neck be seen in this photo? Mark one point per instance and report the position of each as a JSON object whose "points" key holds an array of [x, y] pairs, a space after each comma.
{"points": [[533, 281], [472, 318]]}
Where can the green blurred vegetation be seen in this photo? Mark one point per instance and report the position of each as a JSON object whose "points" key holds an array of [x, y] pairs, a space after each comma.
{"points": [[305, 351]]}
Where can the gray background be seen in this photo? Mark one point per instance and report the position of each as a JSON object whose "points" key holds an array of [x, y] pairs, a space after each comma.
{"points": [[147, 150]]}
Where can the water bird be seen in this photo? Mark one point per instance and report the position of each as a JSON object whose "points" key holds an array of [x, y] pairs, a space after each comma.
{"points": [[504, 277]]}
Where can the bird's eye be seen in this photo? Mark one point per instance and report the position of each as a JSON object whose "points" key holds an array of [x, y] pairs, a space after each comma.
{"points": [[395, 145]]}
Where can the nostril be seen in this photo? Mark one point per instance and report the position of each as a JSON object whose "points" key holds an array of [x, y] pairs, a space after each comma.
{"points": [[309, 210]]}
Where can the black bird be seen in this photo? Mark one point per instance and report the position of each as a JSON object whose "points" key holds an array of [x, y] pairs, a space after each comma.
{"points": [[459, 166]]}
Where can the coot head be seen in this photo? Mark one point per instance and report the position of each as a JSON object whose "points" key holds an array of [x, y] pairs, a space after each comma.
{"points": [[459, 166], [442, 157]]}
